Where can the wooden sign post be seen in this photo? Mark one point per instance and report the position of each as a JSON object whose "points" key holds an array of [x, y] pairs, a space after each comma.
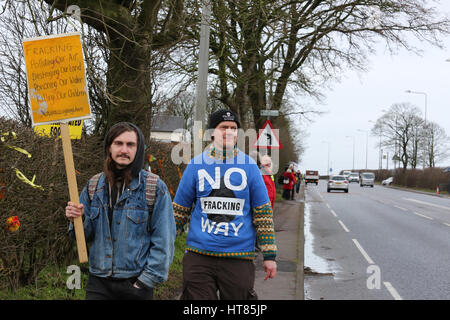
{"points": [[58, 94], [73, 190]]}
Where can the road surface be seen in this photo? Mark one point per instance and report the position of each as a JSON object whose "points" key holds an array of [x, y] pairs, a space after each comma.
{"points": [[376, 243]]}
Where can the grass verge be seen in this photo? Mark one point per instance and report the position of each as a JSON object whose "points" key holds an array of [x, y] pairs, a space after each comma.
{"points": [[51, 282]]}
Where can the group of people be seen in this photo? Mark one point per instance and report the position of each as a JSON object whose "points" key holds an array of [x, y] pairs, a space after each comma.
{"points": [[132, 222], [291, 182]]}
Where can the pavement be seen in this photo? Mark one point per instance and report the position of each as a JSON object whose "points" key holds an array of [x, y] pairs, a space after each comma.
{"points": [[288, 283]]}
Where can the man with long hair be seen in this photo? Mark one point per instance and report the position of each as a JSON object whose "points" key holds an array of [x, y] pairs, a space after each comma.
{"points": [[128, 216]]}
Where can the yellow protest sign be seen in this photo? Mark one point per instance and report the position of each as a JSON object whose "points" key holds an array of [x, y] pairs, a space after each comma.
{"points": [[56, 78], [54, 129]]}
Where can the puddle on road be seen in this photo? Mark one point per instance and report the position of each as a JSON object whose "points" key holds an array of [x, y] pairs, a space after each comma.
{"points": [[316, 263]]}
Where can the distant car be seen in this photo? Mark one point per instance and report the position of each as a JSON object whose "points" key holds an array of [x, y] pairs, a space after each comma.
{"points": [[367, 179], [337, 182], [387, 181], [353, 177], [346, 173]]}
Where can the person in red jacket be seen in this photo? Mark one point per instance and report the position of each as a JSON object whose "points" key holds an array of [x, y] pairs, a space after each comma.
{"points": [[266, 171], [289, 187]]}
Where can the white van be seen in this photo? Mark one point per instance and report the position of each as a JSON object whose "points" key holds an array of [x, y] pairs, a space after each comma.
{"points": [[367, 179]]}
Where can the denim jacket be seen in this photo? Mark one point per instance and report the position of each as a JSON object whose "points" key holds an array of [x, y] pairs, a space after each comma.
{"points": [[138, 246]]}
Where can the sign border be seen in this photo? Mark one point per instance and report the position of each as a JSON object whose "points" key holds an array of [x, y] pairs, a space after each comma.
{"points": [[52, 36], [274, 133]]}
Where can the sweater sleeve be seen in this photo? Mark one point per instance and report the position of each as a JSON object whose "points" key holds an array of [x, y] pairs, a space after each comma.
{"points": [[265, 230], [181, 215], [184, 198]]}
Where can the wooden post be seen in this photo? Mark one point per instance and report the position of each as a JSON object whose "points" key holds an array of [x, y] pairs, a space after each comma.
{"points": [[73, 191]]}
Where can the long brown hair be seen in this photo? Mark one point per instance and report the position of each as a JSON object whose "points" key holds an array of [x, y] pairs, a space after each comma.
{"points": [[109, 167]]}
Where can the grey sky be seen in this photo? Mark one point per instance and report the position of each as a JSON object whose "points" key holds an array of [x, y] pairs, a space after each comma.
{"points": [[359, 98]]}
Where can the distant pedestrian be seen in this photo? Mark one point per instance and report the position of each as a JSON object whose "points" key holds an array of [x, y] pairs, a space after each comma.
{"points": [[288, 187], [266, 171], [298, 176]]}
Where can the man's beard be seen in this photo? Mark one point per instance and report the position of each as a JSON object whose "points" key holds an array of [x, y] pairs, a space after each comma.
{"points": [[117, 173]]}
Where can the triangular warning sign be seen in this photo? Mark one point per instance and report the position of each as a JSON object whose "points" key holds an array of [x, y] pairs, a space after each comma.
{"points": [[267, 138]]}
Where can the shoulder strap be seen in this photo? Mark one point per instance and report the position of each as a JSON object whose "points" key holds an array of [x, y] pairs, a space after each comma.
{"points": [[93, 185], [150, 189]]}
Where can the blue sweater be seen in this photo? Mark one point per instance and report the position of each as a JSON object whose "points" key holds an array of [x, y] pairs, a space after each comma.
{"points": [[225, 194]]}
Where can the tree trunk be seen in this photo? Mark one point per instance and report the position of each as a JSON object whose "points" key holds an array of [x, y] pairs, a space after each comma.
{"points": [[128, 82]]}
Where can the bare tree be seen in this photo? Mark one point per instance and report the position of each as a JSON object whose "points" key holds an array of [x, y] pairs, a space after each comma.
{"points": [[19, 19], [416, 141], [436, 144], [131, 35], [398, 128], [261, 48]]}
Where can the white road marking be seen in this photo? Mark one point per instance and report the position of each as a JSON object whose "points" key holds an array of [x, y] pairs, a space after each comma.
{"points": [[364, 253], [328, 206], [333, 213], [426, 217], [392, 291], [401, 208], [343, 226], [427, 203], [447, 224]]}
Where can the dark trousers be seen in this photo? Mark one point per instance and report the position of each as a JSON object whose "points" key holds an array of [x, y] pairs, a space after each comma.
{"points": [[99, 288], [213, 278], [286, 194]]}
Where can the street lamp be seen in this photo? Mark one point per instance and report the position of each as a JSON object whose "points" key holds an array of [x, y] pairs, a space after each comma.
{"points": [[367, 143], [353, 165]]}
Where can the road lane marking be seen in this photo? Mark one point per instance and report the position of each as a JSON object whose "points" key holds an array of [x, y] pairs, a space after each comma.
{"points": [[426, 217], [447, 224], [343, 226], [427, 203], [401, 208], [363, 252], [392, 291], [328, 205], [333, 213]]}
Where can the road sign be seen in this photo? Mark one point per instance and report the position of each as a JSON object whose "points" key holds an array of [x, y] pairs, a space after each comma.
{"points": [[269, 113], [268, 137], [56, 78]]}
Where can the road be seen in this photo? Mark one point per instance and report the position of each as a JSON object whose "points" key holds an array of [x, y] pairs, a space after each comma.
{"points": [[376, 243]]}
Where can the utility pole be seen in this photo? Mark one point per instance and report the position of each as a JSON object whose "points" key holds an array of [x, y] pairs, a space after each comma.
{"points": [[202, 82]]}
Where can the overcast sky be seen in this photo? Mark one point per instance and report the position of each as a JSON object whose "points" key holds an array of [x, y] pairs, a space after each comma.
{"points": [[359, 98]]}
